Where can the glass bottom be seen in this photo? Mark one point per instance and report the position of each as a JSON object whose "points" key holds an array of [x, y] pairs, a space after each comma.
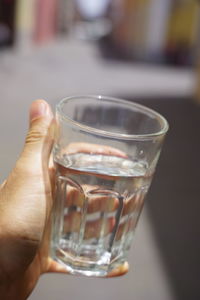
{"points": [[82, 266]]}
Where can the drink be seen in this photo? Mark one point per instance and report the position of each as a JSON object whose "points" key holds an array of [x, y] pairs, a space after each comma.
{"points": [[100, 188], [98, 202]]}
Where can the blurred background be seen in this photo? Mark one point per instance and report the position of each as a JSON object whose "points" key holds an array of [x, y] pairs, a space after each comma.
{"points": [[140, 50]]}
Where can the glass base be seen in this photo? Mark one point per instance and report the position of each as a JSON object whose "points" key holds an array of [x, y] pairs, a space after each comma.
{"points": [[82, 266]]}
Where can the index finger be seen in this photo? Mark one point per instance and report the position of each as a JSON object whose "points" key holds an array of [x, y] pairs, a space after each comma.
{"points": [[88, 148]]}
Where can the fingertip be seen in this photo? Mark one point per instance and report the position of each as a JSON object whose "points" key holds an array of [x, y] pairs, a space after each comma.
{"points": [[55, 267], [40, 108], [119, 271]]}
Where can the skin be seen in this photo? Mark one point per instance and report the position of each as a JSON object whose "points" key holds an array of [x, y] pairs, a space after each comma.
{"points": [[26, 199]]}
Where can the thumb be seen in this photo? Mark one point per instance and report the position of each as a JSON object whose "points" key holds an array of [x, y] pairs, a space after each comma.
{"points": [[28, 185], [39, 139]]}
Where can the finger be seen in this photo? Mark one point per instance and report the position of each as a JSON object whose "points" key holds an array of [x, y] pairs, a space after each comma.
{"points": [[119, 271], [96, 203], [40, 131], [102, 203], [52, 174], [93, 229], [54, 267], [126, 227], [133, 203], [39, 139], [74, 197], [96, 229], [73, 148], [28, 188], [51, 163]]}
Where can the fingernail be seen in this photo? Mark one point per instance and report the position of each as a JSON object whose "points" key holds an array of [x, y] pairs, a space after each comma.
{"points": [[39, 108]]}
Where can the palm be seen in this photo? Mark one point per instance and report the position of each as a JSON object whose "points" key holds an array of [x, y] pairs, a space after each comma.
{"points": [[25, 220]]}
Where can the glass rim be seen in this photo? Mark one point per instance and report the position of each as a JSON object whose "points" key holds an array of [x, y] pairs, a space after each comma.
{"points": [[142, 108]]}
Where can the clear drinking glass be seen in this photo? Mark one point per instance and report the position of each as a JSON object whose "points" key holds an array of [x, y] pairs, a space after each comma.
{"points": [[105, 155]]}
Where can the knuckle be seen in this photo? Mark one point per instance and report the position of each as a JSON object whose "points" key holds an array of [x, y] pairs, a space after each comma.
{"points": [[35, 134], [33, 137]]}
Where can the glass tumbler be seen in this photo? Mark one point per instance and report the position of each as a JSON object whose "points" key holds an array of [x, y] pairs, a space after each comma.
{"points": [[105, 154]]}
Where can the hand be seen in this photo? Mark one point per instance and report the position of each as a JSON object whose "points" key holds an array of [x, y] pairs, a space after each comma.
{"points": [[25, 207]]}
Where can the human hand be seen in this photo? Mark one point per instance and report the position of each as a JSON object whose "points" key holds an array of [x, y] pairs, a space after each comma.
{"points": [[25, 207]]}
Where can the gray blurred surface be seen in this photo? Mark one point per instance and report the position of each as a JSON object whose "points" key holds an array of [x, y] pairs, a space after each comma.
{"points": [[53, 72]]}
